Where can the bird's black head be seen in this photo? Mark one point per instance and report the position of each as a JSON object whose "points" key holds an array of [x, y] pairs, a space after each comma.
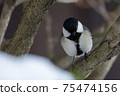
{"points": [[71, 25], [72, 29]]}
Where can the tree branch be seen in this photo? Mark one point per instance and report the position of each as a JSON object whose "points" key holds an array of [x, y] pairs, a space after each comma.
{"points": [[4, 19], [27, 28], [101, 71], [50, 40], [105, 67], [17, 2], [98, 56], [99, 6], [64, 62], [8, 8], [101, 54], [98, 34]]}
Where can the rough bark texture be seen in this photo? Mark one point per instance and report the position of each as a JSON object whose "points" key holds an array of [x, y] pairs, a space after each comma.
{"points": [[27, 28], [98, 56], [101, 54], [32, 15], [101, 71], [9, 6]]}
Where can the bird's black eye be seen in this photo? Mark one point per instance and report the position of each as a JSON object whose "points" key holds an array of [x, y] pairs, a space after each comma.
{"points": [[71, 24]]}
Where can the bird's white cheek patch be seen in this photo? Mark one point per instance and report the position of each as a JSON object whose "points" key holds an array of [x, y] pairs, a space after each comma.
{"points": [[65, 32], [80, 27]]}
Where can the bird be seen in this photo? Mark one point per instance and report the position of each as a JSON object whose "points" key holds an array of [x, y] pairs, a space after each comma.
{"points": [[76, 39]]}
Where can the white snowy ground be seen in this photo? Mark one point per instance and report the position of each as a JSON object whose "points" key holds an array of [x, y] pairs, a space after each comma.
{"points": [[30, 67]]}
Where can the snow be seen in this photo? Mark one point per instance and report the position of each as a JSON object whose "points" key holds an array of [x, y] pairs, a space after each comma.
{"points": [[30, 67]]}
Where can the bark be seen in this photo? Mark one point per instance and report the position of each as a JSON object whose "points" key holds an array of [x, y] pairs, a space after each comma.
{"points": [[98, 35], [9, 6], [27, 27], [4, 19], [32, 15], [101, 54], [101, 71]]}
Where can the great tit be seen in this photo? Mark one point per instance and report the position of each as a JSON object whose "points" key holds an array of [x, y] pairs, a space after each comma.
{"points": [[76, 39]]}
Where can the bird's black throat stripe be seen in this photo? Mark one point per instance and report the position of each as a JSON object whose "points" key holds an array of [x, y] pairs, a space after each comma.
{"points": [[79, 52], [75, 38]]}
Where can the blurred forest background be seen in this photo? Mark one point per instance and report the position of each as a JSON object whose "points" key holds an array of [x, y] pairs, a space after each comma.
{"points": [[47, 40]]}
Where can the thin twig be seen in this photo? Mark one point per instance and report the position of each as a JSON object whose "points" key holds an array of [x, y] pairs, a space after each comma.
{"points": [[49, 38], [99, 7]]}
